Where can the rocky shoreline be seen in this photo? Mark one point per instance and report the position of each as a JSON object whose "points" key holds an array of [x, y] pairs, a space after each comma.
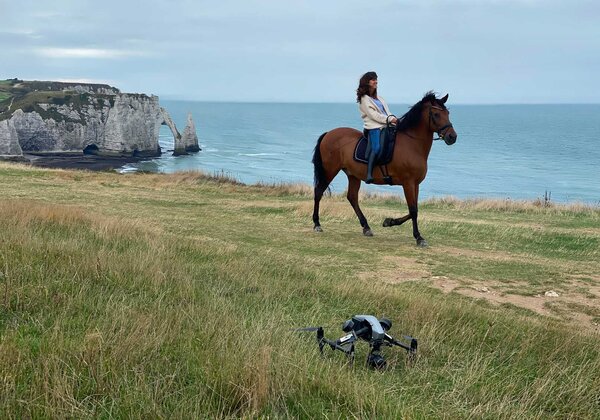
{"points": [[81, 162]]}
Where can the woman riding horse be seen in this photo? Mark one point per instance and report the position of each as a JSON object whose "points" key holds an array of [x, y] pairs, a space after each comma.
{"points": [[375, 115], [414, 137]]}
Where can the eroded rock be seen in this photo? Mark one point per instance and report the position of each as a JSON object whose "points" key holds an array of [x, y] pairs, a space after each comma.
{"points": [[188, 143]]}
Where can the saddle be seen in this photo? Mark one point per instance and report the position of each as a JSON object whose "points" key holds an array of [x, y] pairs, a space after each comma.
{"points": [[386, 152]]}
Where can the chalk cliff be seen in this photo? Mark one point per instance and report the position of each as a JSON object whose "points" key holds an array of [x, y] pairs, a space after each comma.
{"points": [[188, 143], [52, 118], [9, 142]]}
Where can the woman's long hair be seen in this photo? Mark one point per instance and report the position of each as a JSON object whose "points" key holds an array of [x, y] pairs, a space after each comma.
{"points": [[363, 85]]}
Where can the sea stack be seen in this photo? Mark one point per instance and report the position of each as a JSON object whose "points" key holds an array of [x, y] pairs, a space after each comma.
{"points": [[188, 143], [9, 142]]}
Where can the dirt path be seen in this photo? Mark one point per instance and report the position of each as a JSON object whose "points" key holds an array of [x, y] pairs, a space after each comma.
{"points": [[578, 305]]}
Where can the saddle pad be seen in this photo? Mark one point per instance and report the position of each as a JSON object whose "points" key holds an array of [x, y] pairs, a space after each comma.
{"points": [[360, 150], [385, 155]]}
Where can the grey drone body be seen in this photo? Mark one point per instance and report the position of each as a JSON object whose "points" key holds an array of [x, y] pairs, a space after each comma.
{"points": [[370, 329]]}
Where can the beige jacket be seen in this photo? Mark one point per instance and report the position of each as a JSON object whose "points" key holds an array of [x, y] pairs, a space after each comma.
{"points": [[371, 115]]}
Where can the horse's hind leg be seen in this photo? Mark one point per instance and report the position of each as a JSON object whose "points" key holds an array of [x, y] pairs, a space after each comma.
{"points": [[411, 193], [352, 196], [319, 190]]}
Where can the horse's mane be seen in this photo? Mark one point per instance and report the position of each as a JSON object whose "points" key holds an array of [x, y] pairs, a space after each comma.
{"points": [[413, 116]]}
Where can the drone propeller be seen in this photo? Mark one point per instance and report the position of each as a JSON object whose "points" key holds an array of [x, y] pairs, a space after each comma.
{"points": [[309, 329], [320, 335]]}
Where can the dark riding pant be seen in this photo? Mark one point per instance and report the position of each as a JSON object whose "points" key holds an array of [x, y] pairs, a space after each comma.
{"points": [[374, 149]]}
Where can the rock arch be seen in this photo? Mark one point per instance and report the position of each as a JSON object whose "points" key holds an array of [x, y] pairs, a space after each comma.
{"points": [[165, 119], [182, 145]]}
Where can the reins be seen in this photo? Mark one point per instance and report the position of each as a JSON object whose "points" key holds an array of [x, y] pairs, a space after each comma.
{"points": [[440, 131]]}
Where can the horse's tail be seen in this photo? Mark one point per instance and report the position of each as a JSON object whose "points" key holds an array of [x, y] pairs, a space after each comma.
{"points": [[320, 178]]}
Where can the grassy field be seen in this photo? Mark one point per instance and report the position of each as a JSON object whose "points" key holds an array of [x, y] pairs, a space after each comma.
{"points": [[6, 93], [152, 296]]}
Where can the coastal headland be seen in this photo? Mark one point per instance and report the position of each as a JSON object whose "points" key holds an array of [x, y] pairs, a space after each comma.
{"points": [[154, 295], [83, 125]]}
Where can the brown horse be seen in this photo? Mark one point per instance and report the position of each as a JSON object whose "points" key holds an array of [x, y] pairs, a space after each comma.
{"points": [[414, 137]]}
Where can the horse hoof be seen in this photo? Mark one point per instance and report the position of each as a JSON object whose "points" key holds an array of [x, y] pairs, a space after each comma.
{"points": [[367, 232], [387, 222], [422, 243], [318, 229]]}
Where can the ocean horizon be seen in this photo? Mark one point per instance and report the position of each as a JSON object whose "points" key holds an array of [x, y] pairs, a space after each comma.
{"points": [[504, 151]]}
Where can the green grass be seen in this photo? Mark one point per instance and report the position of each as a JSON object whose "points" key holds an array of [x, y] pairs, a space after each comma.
{"points": [[176, 295]]}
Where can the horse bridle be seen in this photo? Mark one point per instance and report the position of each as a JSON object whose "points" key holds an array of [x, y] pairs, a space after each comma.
{"points": [[441, 132]]}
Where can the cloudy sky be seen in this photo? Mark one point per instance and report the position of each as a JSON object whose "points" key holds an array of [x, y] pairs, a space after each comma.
{"points": [[479, 51]]}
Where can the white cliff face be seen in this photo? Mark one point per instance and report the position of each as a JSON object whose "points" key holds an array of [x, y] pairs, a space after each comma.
{"points": [[37, 135], [189, 141], [61, 129], [110, 125], [88, 89], [9, 141], [131, 127]]}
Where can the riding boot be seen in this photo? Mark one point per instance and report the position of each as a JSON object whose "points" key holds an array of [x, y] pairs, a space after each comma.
{"points": [[372, 157]]}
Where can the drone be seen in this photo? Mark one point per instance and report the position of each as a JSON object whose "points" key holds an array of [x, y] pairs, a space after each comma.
{"points": [[371, 330]]}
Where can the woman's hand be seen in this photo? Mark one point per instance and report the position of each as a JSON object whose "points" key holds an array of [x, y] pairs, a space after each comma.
{"points": [[393, 120]]}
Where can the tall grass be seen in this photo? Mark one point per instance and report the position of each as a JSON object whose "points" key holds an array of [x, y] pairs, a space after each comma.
{"points": [[176, 296]]}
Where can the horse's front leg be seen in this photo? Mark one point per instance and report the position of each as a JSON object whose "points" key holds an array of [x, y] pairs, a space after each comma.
{"points": [[413, 210], [414, 213], [411, 193], [388, 222]]}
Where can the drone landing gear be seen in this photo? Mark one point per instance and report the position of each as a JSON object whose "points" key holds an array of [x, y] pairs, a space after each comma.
{"points": [[344, 344]]}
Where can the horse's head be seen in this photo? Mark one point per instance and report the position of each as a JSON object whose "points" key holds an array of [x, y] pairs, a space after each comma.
{"points": [[438, 118]]}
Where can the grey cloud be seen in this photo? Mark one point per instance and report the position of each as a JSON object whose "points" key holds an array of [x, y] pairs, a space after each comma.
{"points": [[484, 51]]}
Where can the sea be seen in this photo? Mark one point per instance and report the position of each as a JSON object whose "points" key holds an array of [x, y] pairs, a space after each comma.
{"points": [[516, 152]]}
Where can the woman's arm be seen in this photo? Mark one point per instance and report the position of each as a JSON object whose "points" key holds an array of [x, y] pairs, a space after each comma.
{"points": [[370, 109], [392, 120]]}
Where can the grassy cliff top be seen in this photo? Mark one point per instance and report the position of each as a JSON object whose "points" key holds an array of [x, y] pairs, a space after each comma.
{"points": [[19, 87], [27, 95], [149, 295]]}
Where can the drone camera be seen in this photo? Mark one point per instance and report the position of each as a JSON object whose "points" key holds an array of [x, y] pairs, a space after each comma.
{"points": [[348, 326], [376, 361]]}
